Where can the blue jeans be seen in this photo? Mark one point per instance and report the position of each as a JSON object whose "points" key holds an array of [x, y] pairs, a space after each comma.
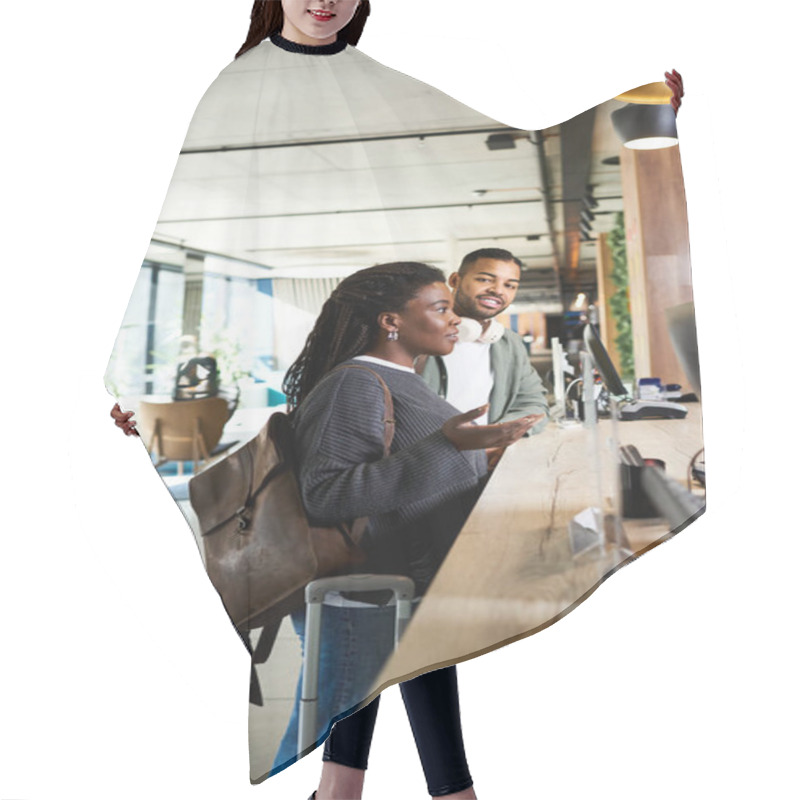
{"points": [[354, 645]]}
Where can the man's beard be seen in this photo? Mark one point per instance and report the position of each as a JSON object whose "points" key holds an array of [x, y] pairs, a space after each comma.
{"points": [[473, 310]]}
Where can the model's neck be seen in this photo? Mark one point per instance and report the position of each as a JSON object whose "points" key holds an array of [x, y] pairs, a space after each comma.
{"points": [[462, 313], [389, 351], [312, 47]]}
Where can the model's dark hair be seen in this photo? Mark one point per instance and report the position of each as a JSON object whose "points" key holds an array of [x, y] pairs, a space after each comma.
{"points": [[266, 19], [495, 253], [348, 323]]}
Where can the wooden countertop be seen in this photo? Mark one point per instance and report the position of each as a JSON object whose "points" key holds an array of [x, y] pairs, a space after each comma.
{"points": [[511, 572]]}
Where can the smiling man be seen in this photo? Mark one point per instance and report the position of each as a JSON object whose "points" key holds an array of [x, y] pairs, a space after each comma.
{"points": [[490, 362]]}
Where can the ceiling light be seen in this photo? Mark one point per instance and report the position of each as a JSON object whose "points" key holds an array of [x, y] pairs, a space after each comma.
{"points": [[579, 302], [501, 141]]}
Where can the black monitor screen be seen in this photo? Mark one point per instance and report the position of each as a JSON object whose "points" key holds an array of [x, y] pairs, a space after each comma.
{"points": [[602, 361]]}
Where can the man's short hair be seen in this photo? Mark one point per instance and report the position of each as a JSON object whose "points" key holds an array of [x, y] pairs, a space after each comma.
{"points": [[495, 253]]}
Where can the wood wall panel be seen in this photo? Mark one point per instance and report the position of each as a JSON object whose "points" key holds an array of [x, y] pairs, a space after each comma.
{"points": [[657, 235]]}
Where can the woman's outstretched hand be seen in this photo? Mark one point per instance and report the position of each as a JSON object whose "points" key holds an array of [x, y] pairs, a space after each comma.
{"points": [[124, 420], [675, 83], [463, 435]]}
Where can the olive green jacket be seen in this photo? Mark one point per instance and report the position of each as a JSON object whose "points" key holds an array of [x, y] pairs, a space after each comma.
{"points": [[517, 389]]}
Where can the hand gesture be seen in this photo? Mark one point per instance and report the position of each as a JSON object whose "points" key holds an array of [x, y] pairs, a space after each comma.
{"points": [[464, 435], [675, 82], [124, 420]]}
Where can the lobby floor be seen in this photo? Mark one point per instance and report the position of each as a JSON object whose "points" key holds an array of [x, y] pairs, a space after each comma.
{"points": [[278, 677]]}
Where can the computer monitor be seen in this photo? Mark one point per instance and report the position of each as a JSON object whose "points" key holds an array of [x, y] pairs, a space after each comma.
{"points": [[603, 363], [629, 408]]}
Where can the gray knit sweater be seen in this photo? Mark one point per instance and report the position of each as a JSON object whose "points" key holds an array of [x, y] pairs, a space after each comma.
{"points": [[417, 499]]}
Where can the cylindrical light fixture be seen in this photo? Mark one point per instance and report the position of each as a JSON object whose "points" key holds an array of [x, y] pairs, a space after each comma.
{"points": [[645, 127]]}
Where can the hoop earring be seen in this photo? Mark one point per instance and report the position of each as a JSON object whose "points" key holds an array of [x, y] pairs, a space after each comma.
{"points": [[392, 336]]}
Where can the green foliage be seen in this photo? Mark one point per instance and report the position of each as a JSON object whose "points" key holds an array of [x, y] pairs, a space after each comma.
{"points": [[619, 303], [228, 352]]}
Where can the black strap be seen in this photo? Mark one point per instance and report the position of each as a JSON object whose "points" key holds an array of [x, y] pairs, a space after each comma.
{"points": [[442, 376]]}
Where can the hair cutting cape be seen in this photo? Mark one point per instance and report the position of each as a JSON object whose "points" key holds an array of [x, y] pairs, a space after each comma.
{"points": [[302, 166]]}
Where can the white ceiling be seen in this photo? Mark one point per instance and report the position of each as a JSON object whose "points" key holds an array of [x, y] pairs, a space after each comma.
{"points": [[318, 166]]}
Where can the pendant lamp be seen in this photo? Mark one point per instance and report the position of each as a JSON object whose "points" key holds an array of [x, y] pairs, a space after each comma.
{"points": [[647, 122]]}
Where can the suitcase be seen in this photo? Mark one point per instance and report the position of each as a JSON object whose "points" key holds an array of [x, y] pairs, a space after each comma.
{"points": [[403, 589]]}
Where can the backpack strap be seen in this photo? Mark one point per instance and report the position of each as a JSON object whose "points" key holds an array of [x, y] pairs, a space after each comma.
{"points": [[388, 406]]}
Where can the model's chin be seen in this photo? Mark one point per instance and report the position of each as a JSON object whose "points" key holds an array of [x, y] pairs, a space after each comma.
{"points": [[448, 345], [443, 349], [321, 38]]}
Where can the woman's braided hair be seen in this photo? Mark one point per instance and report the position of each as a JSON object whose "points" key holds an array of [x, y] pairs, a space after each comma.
{"points": [[348, 322], [266, 19]]}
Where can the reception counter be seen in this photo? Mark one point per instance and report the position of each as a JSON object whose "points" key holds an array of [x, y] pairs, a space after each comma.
{"points": [[512, 570]]}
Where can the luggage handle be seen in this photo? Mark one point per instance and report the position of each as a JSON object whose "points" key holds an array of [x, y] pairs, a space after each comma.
{"points": [[316, 590], [402, 586]]}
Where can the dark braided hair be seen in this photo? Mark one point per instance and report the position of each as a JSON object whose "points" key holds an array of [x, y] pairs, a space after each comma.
{"points": [[348, 323], [266, 19]]}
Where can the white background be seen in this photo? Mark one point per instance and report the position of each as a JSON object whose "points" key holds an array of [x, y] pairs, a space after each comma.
{"points": [[120, 675]]}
